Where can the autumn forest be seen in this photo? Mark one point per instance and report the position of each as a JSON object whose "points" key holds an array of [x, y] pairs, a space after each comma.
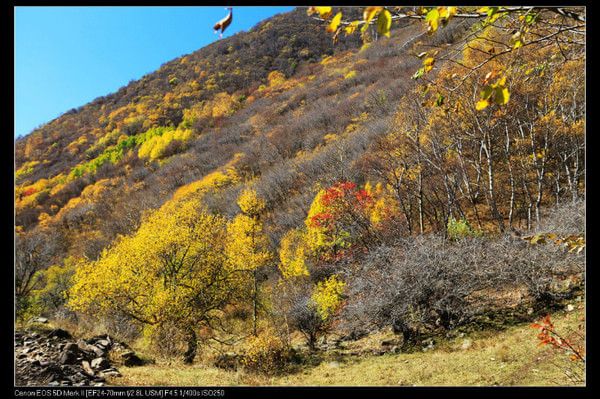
{"points": [[336, 192]]}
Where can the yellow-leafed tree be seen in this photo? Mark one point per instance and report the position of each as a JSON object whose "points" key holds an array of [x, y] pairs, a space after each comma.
{"points": [[172, 270], [247, 247], [292, 254]]}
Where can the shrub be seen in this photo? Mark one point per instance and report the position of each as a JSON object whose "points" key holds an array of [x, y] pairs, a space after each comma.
{"points": [[328, 296], [428, 284], [267, 353], [460, 228], [305, 318], [54, 281]]}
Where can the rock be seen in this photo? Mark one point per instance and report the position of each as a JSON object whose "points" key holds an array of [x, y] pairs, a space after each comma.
{"points": [[59, 333], [52, 359], [68, 357], [110, 372], [570, 308], [100, 352], [467, 343], [395, 349], [84, 346], [87, 368], [103, 342], [71, 347], [100, 363], [42, 320]]}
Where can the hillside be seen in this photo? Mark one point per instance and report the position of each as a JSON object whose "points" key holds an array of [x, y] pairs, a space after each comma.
{"points": [[275, 188], [511, 357]]}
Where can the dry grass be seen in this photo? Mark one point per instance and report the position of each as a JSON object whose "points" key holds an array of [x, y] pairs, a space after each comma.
{"points": [[510, 357]]}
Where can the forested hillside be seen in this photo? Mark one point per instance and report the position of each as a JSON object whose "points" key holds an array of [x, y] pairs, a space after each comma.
{"points": [[425, 173]]}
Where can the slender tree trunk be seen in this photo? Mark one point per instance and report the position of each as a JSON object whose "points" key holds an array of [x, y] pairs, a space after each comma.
{"points": [[192, 346], [541, 172], [511, 179], [255, 300], [491, 188], [467, 183]]}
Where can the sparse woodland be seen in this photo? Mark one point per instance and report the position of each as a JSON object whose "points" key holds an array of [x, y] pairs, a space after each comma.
{"points": [[327, 175]]}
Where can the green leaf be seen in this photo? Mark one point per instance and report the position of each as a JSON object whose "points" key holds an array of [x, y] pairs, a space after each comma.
{"points": [[530, 18], [486, 92], [440, 100], [501, 95], [433, 19], [384, 23], [491, 11], [419, 73]]}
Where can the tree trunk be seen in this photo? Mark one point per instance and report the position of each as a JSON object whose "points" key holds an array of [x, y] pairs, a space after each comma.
{"points": [[255, 299], [192, 343]]}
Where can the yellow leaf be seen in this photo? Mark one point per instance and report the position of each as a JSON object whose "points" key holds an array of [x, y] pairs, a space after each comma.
{"points": [[428, 64], [335, 22], [384, 23], [370, 13], [447, 12], [517, 40], [481, 104], [351, 28], [324, 12]]}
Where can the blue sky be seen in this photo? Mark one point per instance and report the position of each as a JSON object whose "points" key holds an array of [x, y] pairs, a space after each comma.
{"points": [[67, 56]]}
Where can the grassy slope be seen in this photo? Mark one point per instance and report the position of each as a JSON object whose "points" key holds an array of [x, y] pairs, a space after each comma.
{"points": [[511, 357]]}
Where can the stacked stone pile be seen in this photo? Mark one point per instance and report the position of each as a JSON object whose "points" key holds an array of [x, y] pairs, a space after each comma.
{"points": [[56, 359]]}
